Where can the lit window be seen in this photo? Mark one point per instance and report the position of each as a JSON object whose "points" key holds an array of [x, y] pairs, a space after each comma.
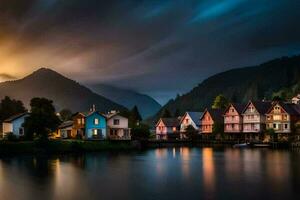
{"points": [[95, 132], [174, 129], [78, 121], [96, 121], [82, 120]]}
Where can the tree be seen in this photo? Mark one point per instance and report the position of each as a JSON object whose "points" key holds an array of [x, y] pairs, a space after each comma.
{"points": [[10, 107], [220, 102], [273, 135], [134, 117], [218, 130], [65, 115], [190, 132], [140, 132], [166, 113], [42, 119], [177, 113]]}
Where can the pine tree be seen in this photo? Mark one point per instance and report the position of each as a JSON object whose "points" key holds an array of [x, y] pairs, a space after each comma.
{"points": [[166, 113]]}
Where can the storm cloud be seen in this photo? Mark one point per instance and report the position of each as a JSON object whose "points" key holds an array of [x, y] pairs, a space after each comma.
{"points": [[156, 47]]}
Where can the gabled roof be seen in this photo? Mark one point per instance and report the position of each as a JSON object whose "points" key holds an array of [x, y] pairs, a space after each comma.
{"points": [[95, 112], [66, 124], [195, 116], [237, 106], [15, 117], [216, 114], [291, 109], [169, 122], [262, 107]]}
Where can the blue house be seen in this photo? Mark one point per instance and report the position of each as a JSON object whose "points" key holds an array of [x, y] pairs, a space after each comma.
{"points": [[95, 126], [14, 125]]}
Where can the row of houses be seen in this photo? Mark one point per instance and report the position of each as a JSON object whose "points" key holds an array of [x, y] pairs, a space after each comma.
{"points": [[238, 121], [86, 125]]}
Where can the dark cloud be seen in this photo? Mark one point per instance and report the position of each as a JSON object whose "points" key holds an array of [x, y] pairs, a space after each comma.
{"points": [[158, 47]]}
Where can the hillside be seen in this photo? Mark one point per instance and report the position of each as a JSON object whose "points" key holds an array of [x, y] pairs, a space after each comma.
{"points": [[65, 92], [146, 105], [240, 85]]}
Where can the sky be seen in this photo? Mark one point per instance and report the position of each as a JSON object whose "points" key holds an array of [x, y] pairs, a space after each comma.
{"points": [[158, 47]]}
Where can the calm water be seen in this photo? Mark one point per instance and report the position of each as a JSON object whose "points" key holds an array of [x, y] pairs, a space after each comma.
{"points": [[171, 173]]}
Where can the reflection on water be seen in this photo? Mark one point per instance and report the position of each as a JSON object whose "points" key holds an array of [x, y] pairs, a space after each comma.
{"points": [[167, 173], [208, 170]]}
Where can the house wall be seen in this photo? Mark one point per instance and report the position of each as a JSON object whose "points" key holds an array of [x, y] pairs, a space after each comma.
{"points": [[186, 121], [18, 124], [79, 124], [7, 128], [232, 121], [91, 126], [123, 122], [120, 131], [161, 128], [252, 120], [207, 123]]}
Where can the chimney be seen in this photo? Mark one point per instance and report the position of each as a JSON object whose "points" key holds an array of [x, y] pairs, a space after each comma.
{"points": [[93, 108]]}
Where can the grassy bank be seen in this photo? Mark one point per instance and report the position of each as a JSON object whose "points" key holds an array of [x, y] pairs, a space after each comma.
{"points": [[63, 146]]}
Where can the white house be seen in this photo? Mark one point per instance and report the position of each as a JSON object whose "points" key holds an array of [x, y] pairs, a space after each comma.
{"points": [[190, 118], [14, 125], [117, 126]]}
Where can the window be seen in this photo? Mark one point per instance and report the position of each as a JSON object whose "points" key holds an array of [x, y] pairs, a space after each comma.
{"points": [[79, 121], [186, 121], [274, 126], [277, 117], [96, 121], [232, 110], [286, 126], [116, 122], [95, 132], [174, 129], [82, 120]]}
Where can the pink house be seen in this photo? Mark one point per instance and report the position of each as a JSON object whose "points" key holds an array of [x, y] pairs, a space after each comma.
{"points": [[233, 120], [167, 128]]}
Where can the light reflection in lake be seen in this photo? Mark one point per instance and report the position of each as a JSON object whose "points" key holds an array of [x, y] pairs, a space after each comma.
{"points": [[208, 170], [166, 173]]}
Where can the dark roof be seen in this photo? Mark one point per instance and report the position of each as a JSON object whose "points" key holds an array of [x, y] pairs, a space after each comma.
{"points": [[239, 107], [170, 122], [261, 106], [15, 117], [66, 124], [195, 117], [290, 108], [216, 114]]}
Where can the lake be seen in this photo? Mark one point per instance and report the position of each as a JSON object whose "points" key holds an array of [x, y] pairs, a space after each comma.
{"points": [[165, 173]]}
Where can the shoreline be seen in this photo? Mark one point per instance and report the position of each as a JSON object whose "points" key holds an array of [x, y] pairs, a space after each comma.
{"points": [[80, 146]]}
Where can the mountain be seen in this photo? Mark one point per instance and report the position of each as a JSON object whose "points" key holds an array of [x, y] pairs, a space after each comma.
{"points": [[240, 85], [146, 105], [64, 92]]}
